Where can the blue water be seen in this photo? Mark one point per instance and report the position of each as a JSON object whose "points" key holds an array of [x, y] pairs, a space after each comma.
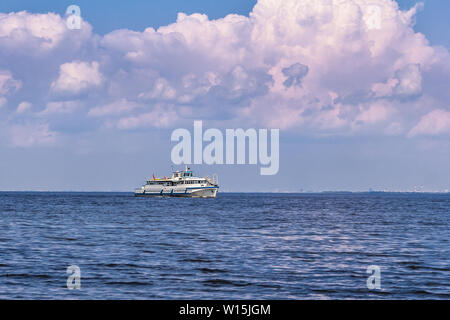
{"points": [[238, 246]]}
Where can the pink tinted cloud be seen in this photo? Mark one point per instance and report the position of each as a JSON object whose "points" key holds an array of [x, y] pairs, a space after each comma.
{"points": [[310, 67]]}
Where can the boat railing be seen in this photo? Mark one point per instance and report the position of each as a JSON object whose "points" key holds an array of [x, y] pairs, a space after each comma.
{"points": [[214, 179]]}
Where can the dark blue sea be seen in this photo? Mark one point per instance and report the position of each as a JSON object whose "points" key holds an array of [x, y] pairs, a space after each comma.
{"points": [[237, 246]]}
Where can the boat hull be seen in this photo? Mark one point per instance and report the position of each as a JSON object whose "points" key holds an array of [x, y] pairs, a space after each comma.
{"points": [[206, 192]]}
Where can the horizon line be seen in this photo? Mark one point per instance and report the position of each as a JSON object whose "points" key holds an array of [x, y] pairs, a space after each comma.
{"points": [[244, 192]]}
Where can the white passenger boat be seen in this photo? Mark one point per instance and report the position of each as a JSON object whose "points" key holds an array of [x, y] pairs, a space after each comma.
{"points": [[180, 184]]}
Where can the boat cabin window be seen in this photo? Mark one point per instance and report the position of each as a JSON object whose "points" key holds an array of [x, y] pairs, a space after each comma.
{"points": [[187, 174]]}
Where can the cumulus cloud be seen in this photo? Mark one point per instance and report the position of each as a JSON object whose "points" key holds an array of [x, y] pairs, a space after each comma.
{"points": [[8, 83], [38, 34], [28, 135], [19, 28], [162, 90], [311, 67], [77, 76], [160, 117], [406, 83], [434, 123], [373, 114], [295, 74], [114, 108], [23, 107], [3, 102], [55, 107], [409, 80]]}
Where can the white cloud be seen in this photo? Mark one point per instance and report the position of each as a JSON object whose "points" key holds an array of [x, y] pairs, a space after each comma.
{"points": [[407, 82], [77, 76], [32, 135], [114, 108], [23, 107], [434, 123], [3, 102], [7, 82], [55, 107], [385, 89], [161, 91], [373, 114], [48, 28], [158, 118], [311, 67], [38, 34]]}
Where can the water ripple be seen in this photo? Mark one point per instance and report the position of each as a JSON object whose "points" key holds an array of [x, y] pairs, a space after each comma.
{"points": [[253, 246]]}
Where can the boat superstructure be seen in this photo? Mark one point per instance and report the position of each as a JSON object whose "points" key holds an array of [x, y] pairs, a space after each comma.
{"points": [[180, 184]]}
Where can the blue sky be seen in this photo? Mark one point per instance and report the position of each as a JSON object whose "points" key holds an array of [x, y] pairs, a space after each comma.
{"points": [[93, 109]]}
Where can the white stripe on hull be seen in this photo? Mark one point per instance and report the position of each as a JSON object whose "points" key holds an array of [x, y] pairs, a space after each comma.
{"points": [[186, 193]]}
